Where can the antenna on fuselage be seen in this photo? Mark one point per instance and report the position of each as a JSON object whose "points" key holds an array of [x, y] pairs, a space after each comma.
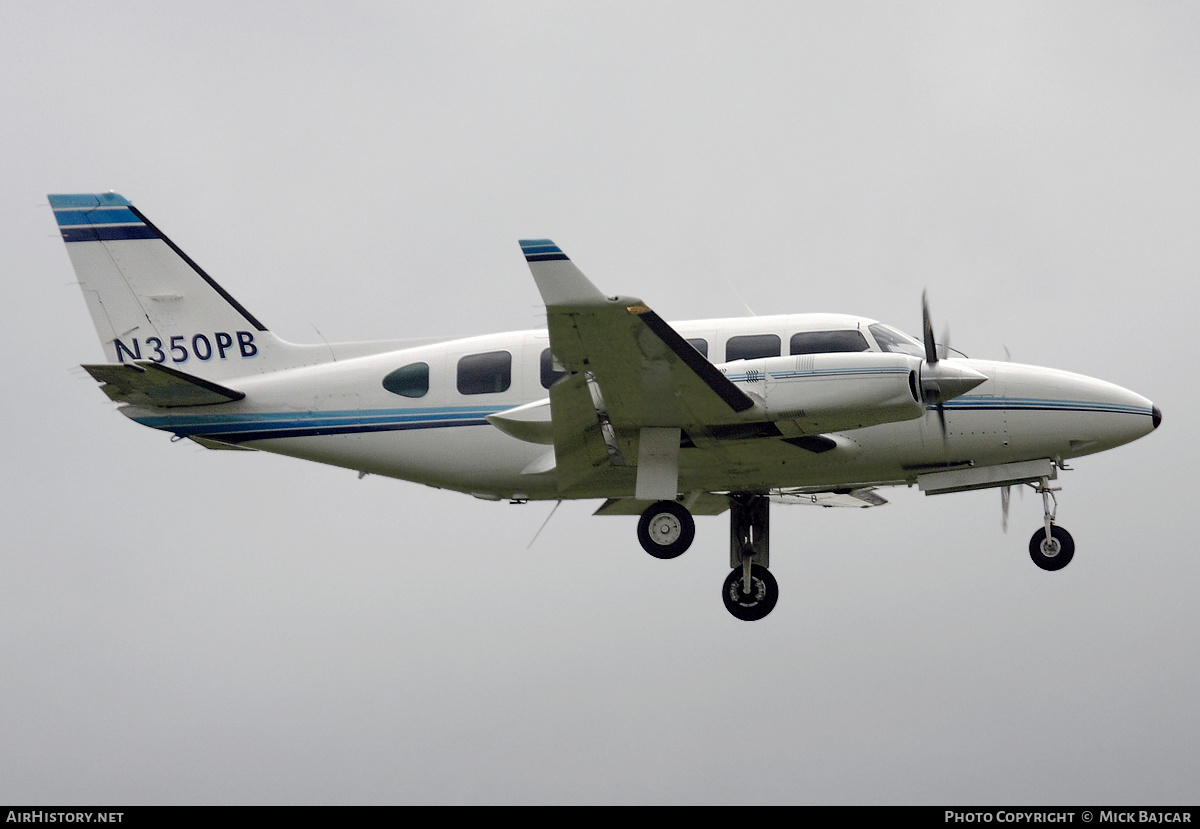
{"points": [[557, 504]]}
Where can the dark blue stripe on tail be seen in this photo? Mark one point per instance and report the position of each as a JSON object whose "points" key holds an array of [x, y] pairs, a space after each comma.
{"points": [[87, 233]]}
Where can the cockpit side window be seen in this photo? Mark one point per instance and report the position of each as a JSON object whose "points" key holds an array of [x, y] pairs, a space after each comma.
{"points": [[828, 342], [896, 342]]}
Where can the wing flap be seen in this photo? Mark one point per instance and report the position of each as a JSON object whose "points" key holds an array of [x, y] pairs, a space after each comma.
{"points": [[149, 384], [706, 503], [580, 448], [861, 497]]}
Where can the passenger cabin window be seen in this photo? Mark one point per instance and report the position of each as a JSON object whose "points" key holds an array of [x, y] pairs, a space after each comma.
{"points": [[700, 344], [410, 381], [485, 373], [550, 374], [828, 342], [752, 347]]}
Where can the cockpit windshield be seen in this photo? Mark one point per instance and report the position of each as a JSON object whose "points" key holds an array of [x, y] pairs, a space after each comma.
{"points": [[896, 342]]}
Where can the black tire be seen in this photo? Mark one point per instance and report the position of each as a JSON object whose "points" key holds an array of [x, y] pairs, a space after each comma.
{"points": [[764, 593], [666, 529], [1055, 553]]}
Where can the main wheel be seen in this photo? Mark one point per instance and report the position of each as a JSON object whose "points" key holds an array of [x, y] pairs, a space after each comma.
{"points": [[666, 529], [758, 602], [1053, 553]]}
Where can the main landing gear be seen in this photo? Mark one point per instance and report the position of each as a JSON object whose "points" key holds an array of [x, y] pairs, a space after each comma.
{"points": [[666, 530], [750, 592], [1051, 547]]}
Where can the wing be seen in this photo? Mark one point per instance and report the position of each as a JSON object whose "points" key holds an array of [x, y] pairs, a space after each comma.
{"points": [[634, 355], [646, 382]]}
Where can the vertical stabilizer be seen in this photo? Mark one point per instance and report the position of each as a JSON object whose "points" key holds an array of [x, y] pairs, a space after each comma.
{"points": [[150, 301]]}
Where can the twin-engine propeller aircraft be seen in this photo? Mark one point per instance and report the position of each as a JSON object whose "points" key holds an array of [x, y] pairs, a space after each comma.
{"points": [[609, 401]]}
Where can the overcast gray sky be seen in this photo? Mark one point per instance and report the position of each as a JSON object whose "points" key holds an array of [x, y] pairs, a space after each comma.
{"points": [[185, 626]]}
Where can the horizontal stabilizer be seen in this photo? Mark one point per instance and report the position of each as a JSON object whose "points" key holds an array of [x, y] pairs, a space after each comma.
{"points": [[146, 383], [531, 422]]}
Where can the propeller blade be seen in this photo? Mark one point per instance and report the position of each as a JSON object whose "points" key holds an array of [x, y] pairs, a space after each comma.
{"points": [[942, 381], [931, 356], [1005, 497]]}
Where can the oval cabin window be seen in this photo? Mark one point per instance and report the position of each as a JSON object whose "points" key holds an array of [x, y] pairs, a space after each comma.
{"points": [[410, 381]]}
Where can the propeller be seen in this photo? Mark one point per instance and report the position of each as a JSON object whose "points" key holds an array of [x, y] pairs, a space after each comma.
{"points": [[942, 381], [1005, 500]]}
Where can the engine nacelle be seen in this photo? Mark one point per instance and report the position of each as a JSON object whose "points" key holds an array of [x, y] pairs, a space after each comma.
{"points": [[830, 392]]}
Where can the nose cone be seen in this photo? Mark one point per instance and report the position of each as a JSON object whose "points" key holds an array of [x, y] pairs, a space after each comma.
{"points": [[1127, 416], [1069, 415]]}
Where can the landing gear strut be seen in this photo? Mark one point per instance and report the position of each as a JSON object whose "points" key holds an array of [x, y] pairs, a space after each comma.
{"points": [[750, 591], [1051, 547]]}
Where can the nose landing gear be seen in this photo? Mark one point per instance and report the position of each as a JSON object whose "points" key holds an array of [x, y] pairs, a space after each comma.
{"points": [[1051, 547]]}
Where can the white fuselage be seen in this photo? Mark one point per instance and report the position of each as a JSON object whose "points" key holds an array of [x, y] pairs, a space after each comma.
{"points": [[340, 413]]}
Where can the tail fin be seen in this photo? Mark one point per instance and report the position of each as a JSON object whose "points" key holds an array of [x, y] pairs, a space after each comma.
{"points": [[150, 301]]}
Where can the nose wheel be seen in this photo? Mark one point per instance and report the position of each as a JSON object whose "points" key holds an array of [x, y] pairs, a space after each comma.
{"points": [[1052, 552]]}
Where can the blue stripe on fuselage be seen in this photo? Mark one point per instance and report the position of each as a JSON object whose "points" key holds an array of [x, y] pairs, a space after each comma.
{"points": [[817, 372], [238, 428], [252, 426], [976, 403]]}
